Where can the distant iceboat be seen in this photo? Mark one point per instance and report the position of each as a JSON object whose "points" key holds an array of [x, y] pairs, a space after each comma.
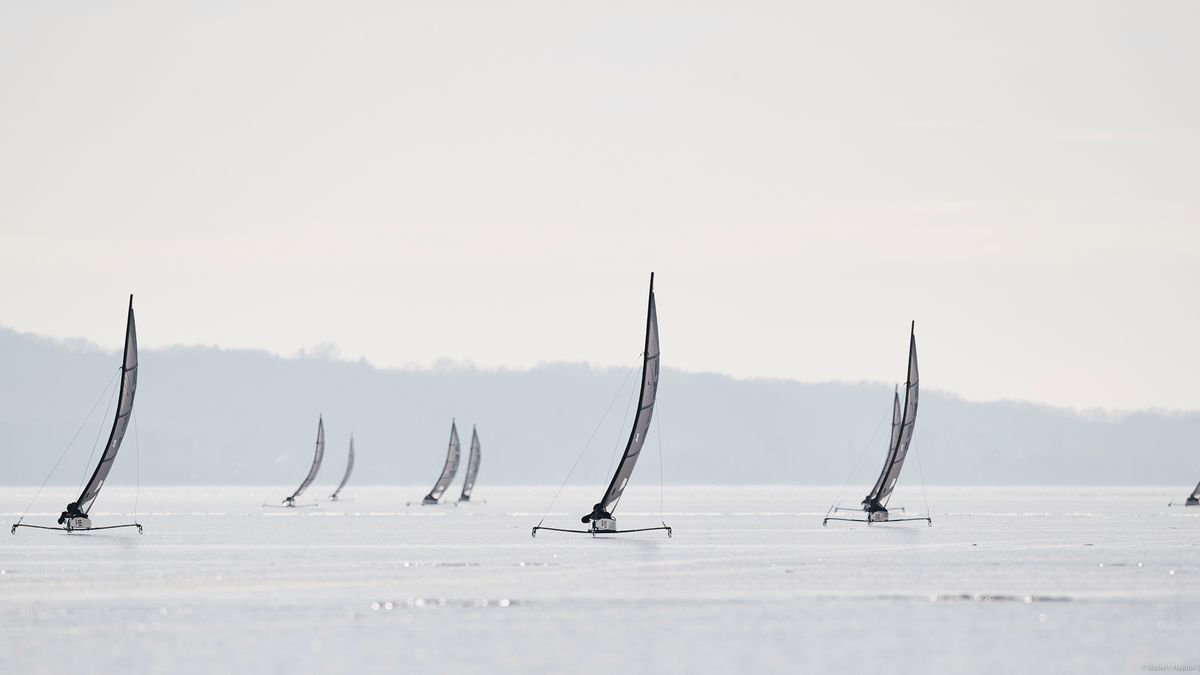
{"points": [[75, 517], [904, 418], [449, 468], [318, 455], [601, 518], [349, 467], [472, 468]]}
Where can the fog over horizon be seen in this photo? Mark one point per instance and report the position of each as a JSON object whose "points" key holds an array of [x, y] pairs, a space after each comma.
{"points": [[330, 352], [241, 417]]}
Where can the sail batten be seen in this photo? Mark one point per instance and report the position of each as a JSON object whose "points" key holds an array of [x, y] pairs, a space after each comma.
{"points": [[472, 468], [904, 419], [318, 455], [448, 469], [129, 371], [645, 412]]}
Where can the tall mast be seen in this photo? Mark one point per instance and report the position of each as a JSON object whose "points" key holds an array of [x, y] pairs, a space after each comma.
{"points": [[641, 421]]}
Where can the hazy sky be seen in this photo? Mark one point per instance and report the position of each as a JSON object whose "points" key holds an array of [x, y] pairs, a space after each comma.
{"points": [[494, 182]]}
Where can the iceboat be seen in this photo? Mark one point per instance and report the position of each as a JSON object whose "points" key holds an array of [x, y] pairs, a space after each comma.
{"points": [[75, 517], [601, 519], [345, 478], [318, 454], [449, 468], [468, 487], [904, 417]]}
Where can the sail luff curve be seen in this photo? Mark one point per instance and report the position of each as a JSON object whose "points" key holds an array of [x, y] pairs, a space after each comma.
{"points": [[349, 468], [645, 409], [318, 455], [129, 365], [893, 443], [472, 468], [449, 468], [901, 434]]}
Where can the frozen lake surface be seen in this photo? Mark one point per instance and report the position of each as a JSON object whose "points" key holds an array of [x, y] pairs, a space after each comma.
{"points": [[1006, 580]]}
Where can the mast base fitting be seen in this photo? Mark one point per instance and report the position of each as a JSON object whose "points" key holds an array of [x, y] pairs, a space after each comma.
{"points": [[604, 525], [78, 523], [877, 517]]}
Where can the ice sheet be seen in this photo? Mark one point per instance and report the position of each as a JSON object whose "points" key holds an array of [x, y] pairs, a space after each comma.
{"points": [[1007, 579]]}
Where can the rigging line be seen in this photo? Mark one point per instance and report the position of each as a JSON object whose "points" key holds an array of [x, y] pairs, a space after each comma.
{"points": [[658, 428], [924, 495], [837, 500], [653, 405], [69, 444], [617, 442], [99, 431], [589, 442], [137, 454]]}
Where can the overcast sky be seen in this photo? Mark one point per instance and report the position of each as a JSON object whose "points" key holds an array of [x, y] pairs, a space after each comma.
{"points": [[494, 182]]}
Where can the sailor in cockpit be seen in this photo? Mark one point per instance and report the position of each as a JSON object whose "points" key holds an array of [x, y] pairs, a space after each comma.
{"points": [[71, 512]]}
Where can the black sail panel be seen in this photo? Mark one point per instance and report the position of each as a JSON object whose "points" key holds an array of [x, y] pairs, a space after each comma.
{"points": [[641, 421], [318, 455], [472, 468], [349, 468], [898, 449], [448, 469], [893, 443], [129, 370], [1196, 492]]}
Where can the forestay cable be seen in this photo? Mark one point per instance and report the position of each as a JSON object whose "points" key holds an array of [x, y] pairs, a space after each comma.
{"points": [[620, 430], [588, 443], [69, 444], [837, 500], [658, 427], [924, 495], [99, 430], [137, 450]]}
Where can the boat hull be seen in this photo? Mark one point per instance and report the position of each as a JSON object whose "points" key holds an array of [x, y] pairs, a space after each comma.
{"points": [[79, 523], [604, 525]]}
